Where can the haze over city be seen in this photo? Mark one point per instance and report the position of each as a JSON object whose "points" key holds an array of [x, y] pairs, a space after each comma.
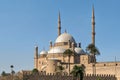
{"points": [[26, 23]]}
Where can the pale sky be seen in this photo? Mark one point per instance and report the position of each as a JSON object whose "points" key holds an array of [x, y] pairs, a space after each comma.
{"points": [[24, 23]]}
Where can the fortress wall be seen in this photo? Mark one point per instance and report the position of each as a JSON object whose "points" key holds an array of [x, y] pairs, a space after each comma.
{"points": [[64, 76], [111, 68]]}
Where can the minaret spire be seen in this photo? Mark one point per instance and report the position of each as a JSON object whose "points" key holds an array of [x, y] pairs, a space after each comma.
{"points": [[59, 24], [93, 26], [36, 57]]}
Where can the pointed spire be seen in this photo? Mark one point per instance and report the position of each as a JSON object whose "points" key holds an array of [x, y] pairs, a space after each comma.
{"points": [[36, 52], [36, 57], [93, 16], [59, 24], [93, 26]]}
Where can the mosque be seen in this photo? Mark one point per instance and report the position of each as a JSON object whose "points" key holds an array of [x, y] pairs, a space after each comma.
{"points": [[49, 60]]}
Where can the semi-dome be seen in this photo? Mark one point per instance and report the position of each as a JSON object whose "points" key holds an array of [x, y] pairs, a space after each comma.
{"points": [[65, 37], [43, 52], [56, 50], [79, 50]]}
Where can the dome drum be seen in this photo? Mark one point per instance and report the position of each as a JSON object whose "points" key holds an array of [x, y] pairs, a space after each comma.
{"points": [[61, 44], [56, 50], [54, 55]]}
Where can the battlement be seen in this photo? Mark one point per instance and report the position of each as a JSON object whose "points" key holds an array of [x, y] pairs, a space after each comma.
{"points": [[99, 77], [65, 76]]}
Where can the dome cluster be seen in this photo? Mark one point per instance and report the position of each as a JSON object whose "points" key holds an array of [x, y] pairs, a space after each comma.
{"points": [[65, 37]]}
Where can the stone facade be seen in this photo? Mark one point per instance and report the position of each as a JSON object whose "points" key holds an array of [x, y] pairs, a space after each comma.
{"points": [[49, 65], [48, 60]]}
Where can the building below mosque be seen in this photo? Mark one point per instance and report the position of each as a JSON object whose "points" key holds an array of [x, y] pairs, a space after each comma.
{"points": [[48, 60]]}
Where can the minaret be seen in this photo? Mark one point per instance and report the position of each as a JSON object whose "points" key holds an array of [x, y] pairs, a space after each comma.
{"points": [[59, 25], [93, 39], [36, 57], [93, 26]]}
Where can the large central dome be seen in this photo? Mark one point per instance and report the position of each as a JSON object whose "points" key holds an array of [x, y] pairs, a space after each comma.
{"points": [[65, 37]]}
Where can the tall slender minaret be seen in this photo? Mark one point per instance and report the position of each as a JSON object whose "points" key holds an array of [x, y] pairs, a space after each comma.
{"points": [[93, 26], [36, 57], [59, 25]]}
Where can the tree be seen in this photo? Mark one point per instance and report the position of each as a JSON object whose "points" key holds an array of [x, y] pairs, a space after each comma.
{"points": [[3, 73], [12, 72], [11, 66], [59, 69], [93, 51], [68, 53], [78, 71], [35, 71]]}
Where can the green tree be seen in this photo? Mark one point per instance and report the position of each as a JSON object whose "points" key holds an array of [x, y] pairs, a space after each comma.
{"points": [[3, 73], [98, 79], [68, 53], [35, 71], [13, 72], [11, 66], [59, 69], [78, 71], [92, 49]]}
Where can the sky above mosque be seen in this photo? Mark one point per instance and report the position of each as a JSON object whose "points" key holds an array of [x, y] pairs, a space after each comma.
{"points": [[26, 23]]}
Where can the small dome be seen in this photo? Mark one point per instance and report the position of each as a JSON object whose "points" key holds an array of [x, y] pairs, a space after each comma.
{"points": [[79, 50], [56, 50], [43, 52], [65, 37]]}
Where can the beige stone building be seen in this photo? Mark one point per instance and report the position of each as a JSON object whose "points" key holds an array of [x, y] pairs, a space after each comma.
{"points": [[49, 60]]}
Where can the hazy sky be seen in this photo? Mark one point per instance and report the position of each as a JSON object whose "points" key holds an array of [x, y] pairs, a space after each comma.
{"points": [[24, 23]]}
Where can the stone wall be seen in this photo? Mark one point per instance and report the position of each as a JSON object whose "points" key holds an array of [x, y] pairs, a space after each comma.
{"points": [[113, 68], [65, 76]]}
